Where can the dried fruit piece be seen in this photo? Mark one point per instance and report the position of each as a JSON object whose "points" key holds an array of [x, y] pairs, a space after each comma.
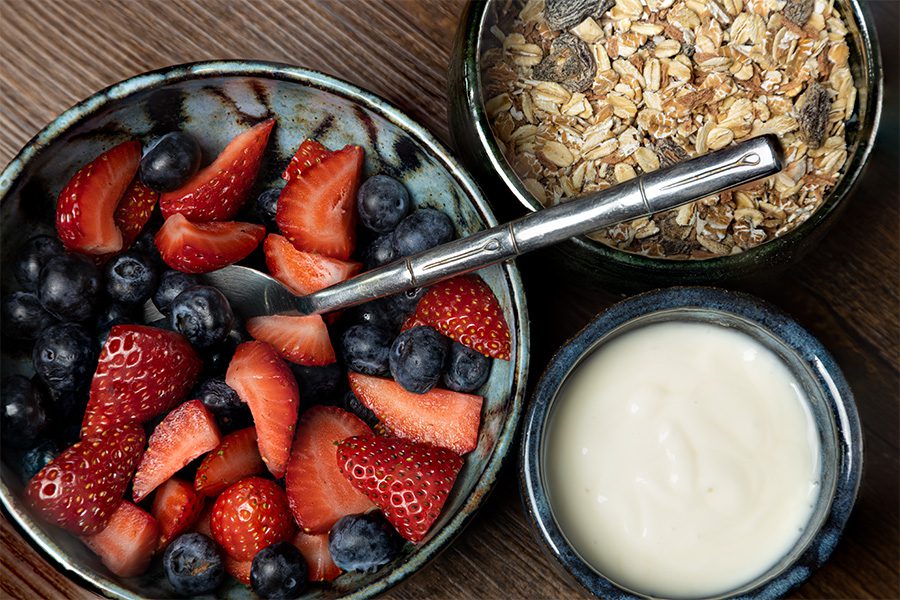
{"points": [[813, 116], [798, 11], [570, 64], [565, 14]]}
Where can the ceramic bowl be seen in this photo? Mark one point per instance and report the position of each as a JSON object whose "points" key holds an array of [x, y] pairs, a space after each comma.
{"points": [[214, 101], [587, 260], [831, 402]]}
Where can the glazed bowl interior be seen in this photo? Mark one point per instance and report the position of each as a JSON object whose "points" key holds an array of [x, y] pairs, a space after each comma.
{"points": [[215, 101]]}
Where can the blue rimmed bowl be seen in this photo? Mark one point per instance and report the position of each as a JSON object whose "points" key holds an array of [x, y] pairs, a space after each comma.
{"points": [[214, 101], [830, 399]]}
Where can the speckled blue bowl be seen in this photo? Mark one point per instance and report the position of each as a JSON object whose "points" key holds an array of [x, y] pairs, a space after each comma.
{"points": [[214, 101], [830, 398]]}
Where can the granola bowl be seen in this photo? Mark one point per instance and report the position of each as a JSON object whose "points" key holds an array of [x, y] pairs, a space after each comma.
{"points": [[542, 113]]}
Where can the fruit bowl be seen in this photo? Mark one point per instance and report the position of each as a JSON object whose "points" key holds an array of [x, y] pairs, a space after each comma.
{"points": [[214, 101]]}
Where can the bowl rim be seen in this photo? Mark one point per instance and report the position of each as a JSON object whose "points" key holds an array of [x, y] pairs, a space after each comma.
{"points": [[285, 72], [827, 375], [474, 102]]}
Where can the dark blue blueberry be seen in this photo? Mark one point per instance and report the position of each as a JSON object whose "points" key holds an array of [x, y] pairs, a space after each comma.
{"points": [[382, 203], [24, 416], [171, 162], [35, 459], [145, 243], [171, 283], [69, 287], [64, 406], [225, 405], [467, 370], [24, 317], [319, 385], [203, 315], [113, 314], [65, 357], [423, 229], [278, 571], [131, 278], [217, 357], [363, 542], [266, 208], [365, 349], [161, 323], [376, 313], [353, 404], [193, 565], [417, 358], [403, 305], [32, 257], [380, 251]]}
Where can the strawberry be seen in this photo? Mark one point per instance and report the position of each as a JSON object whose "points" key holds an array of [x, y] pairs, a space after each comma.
{"points": [[235, 458], [142, 373], [318, 493], [202, 524], [309, 154], [204, 247], [314, 548], [187, 432], [219, 191], [86, 206], [239, 569], [440, 417], [80, 489], [301, 340], [304, 272], [265, 382], [126, 545], [408, 481], [250, 515], [465, 309], [134, 211], [317, 208], [176, 507], [412, 321]]}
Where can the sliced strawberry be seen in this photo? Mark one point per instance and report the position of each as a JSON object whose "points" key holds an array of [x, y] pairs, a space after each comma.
{"points": [[301, 340], [314, 548], [250, 515], [440, 417], [239, 569], [309, 154], [317, 208], [134, 211], [304, 272], [126, 545], [318, 493], [187, 432], [412, 321], [219, 191], [142, 373], [203, 521], [80, 489], [204, 247], [465, 309], [176, 507], [266, 384], [85, 208], [235, 458]]}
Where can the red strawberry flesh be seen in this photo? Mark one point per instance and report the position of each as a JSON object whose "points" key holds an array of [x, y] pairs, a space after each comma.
{"points": [[127, 544], [239, 569], [309, 154], [301, 340], [235, 458], [204, 247], [319, 564], [304, 272], [134, 211], [250, 515], [176, 507]]}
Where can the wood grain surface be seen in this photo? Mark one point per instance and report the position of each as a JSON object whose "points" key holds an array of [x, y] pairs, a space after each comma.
{"points": [[56, 52]]}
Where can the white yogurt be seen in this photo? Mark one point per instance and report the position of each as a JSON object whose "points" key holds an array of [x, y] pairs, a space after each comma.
{"points": [[682, 459]]}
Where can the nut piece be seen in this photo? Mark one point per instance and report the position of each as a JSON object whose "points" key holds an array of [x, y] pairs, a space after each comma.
{"points": [[798, 11], [570, 63], [565, 14], [813, 115]]}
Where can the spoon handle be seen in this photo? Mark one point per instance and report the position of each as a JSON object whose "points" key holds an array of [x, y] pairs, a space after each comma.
{"points": [[650, 193]]}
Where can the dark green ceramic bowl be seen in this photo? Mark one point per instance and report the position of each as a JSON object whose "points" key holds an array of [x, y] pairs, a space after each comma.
{"points": [[591, 261]]}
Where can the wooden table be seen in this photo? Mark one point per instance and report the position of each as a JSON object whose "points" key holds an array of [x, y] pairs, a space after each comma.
{"points": [[56, 52]]}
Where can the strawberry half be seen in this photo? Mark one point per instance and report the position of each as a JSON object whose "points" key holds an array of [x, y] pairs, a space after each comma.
{"points": [[265, 382], [318, 493], [86, 206], [465, 309], [301, 340], [440, 417], [126, 545], [142, 373], [250, 515], [80, 489], [239, 569], [309, 154], [235, 458], [219, 191], [187, 432], [176, 507], [409, 482], [304, 272], [317, 208], [204, 247], [319, 564], [134, 211]]}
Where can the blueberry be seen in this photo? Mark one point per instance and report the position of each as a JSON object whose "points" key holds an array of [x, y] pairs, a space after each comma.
{"points": [[63, 406], [193, 565], [225, 405], [417, 358], [266, 207], [171, 283], [131, 278], [423, 229], [217, 357], [352, 404], [365, 349], [380, 251], [375, 312], [203, 315], [403, 305], [24, 317], [363, 542], [24, 416], [467, 370], [382, 202], [69, 287], [114, 313], [278, 571], [35, 459], [319, 385], [64, 356], [145, 243], [171, 162], [32, 257]]}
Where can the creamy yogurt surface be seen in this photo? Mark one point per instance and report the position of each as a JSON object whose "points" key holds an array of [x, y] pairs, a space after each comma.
{"points": [[682, 459]]}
